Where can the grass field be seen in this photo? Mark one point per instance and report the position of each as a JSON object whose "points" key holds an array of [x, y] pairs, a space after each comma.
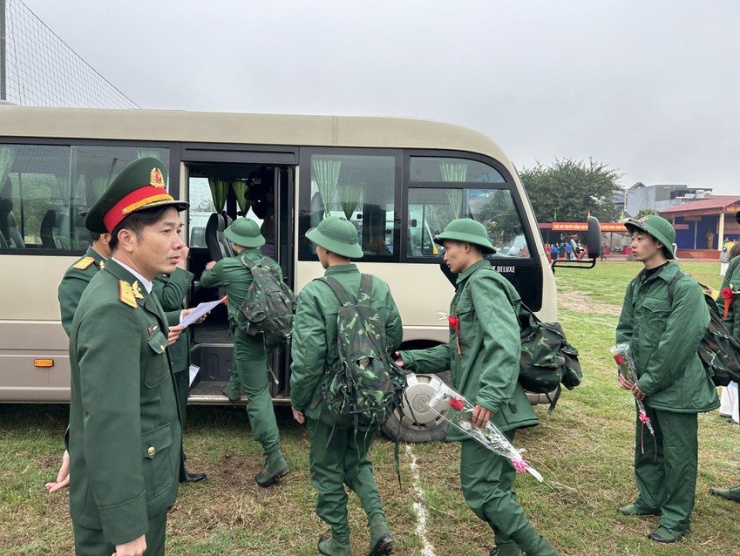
{"points": [[584, 450]]}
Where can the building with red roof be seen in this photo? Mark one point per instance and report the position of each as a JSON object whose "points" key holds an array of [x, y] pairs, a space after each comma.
{"points": [[710, 224]]}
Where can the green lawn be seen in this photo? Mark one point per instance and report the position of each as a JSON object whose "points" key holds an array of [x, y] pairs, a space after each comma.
{"points": [[584, 450]]}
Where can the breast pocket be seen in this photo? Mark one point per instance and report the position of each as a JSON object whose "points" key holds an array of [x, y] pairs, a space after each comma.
{"points": [[157, 365], [654, 319], [465, 319]]}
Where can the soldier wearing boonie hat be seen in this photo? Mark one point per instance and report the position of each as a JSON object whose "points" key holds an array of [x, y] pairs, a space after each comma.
{"points": [[124, 421], [731, 281], [663, 319], [338, 454], [484, 350], [250, 358]]}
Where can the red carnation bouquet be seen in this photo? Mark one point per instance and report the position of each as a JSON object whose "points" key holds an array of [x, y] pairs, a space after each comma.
{"points": [[728, 295], [626, 368]]}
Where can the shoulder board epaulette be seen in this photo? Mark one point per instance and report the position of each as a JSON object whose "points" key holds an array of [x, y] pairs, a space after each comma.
{"points": [[84, 263], [126, 294]]}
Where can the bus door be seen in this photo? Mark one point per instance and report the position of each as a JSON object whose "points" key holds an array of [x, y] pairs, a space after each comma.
{"points": [[224, 182]]}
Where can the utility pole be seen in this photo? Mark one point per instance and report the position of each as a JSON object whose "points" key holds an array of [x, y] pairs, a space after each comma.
{"points": [[3, 92]]}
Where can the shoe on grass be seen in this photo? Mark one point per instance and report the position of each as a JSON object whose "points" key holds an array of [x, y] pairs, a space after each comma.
{"points": [[732, 493], [275, 468], [665, 535], [328, 546], [634, 509]]}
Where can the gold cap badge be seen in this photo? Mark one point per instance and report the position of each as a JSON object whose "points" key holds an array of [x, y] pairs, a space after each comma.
{"points": [[157, 180]]}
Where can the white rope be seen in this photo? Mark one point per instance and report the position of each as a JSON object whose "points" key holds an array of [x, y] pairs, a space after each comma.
{"points": [[419, 509]]}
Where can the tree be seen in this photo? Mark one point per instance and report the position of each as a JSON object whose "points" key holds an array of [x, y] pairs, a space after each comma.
{"points": [[569, 190]]}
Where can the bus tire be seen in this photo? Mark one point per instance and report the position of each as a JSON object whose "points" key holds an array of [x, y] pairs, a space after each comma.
{"points": [[414, 421]]}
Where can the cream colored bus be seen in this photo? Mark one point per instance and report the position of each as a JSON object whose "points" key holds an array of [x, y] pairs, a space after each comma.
{"points": [[400, 181]]}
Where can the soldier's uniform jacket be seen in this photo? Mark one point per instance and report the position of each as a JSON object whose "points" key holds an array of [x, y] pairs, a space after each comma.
{"points": [[232, 274], [664, 339], [122, 390], [485, 368], [314, 340], [75, 280], [171, 290], [732, 276]]}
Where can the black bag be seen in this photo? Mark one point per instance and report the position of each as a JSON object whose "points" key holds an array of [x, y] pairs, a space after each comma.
{"points": [[548, 360], [719, 350]]}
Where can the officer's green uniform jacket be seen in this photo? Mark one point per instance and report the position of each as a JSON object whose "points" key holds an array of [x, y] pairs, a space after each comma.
{"points": [[75, 280], [664, 340], [732, 276], [171, 291], [314, 340], [486, 368], [125, 432], [231, 273]]}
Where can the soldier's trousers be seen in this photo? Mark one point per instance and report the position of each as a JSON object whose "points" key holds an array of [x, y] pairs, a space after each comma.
{"points": [[486, 480], [666, 472], [251, 365], [339, 458], [90, 542]]}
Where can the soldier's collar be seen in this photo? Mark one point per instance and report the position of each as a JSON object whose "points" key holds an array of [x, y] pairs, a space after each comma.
{"points": [[341, 268], [144, 282], [472, 268]]}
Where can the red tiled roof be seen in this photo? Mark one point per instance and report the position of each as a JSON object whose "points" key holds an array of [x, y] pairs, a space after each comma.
{"points": [[713, 204]]}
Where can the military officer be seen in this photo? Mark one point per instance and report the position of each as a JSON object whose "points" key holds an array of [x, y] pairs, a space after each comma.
{"points": [[125, 433], [338, 454], [483, 357], [663, 330], [250, 358], [171, 289]]}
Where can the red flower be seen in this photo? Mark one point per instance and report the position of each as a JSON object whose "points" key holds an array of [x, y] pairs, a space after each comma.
{"points": [[728, 295], [454, 321], [456, 404], [619, 358]]}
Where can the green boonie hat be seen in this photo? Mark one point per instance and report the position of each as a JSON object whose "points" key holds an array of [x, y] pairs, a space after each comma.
{"points": [[245, 232], [658, 227], [467, 230], [140, 185], [338, 235]]}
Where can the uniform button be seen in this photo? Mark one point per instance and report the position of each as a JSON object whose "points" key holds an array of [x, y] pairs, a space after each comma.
{"points": [[161, 347], [151, 451]]}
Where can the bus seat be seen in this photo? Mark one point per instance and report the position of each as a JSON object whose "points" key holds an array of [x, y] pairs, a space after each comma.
{"points": [[14, 239], [48, 238], [218, 246]]}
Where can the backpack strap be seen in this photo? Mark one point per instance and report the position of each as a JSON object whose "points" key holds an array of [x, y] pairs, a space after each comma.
{"points": [[366, 287], [339, 291], [672, 286]]}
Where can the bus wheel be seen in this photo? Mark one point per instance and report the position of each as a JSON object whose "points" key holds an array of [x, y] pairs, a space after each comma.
{"points": [[414, 421]]}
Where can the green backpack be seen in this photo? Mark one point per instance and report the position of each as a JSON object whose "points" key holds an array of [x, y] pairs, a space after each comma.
{"points": [[269, 305], [719, 350], [365, 386]]}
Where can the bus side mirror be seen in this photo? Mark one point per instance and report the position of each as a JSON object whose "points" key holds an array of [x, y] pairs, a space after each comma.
{"points": [[593, 238]]}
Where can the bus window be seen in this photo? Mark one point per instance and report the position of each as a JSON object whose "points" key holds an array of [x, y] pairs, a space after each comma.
{"points": [[437, 169], [362, 188], [431, 209], [46, 189]]}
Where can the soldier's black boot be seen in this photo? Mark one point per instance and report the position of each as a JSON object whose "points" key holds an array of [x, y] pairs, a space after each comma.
{"points": [[381, 538]]}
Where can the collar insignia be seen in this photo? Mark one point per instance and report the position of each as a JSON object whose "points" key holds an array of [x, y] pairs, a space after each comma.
{"points": [[136, 290]]}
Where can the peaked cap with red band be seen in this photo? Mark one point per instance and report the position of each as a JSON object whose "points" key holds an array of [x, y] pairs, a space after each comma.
{"points": [[140, 185]]}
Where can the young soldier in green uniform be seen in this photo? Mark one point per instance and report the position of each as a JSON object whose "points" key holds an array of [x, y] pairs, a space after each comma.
{"points": [[663, 330], [338, 451], [483, 357], [732, 277], [125, 434], [171, 289], [250, 357]]}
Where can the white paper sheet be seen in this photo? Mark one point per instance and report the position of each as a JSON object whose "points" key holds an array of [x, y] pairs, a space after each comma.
{"points": [[193, 373], [199, 311]]}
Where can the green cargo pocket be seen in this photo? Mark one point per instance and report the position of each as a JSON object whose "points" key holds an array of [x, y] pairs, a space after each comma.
{"points": [[157, 368], [158, 470]]}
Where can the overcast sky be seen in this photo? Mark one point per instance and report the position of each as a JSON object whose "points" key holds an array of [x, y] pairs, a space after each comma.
{"points": [[650, 88]]}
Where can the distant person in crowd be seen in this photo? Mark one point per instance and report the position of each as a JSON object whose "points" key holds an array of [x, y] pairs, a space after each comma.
{"points": [[171, 290], [663, 329], [484, 351], [724, 260], [568, 251], [250, 355], [125, 433], [548, 252], [730, 393], [338, 450], [554, 251]]}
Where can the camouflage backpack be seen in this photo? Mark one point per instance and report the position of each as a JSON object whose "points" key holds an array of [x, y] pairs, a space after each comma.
{"points": [[366, 385], [719, 350], [269, 305], [548, 360]]}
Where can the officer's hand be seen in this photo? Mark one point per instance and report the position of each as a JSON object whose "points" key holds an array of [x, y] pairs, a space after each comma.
{"points": [[481, 415], [625, 384], [174, 334], [210, 265], [135, 547], [62, 477], [399, 360], [298, 416]]}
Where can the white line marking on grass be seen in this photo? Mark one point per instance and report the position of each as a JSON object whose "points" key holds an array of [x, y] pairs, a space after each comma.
{"points": [[419, 509]]}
